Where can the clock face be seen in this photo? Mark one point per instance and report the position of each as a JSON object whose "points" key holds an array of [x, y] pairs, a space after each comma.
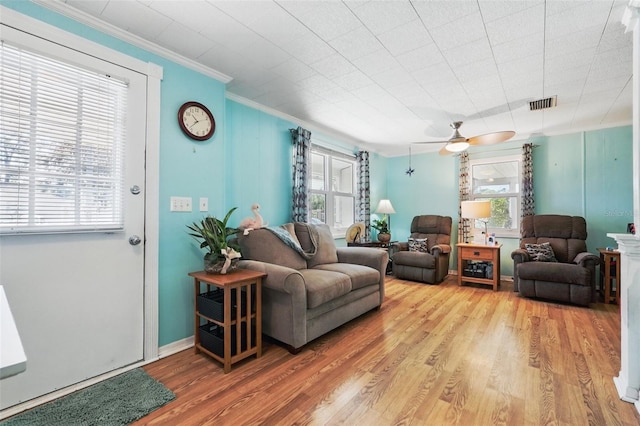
{"points": [[196, 121]]}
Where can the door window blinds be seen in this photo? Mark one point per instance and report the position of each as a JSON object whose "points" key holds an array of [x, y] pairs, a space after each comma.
{"points": [[62, 136]]}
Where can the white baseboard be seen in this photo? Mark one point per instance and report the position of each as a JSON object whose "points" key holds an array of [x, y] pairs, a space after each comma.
{"points": [[175, 347]]}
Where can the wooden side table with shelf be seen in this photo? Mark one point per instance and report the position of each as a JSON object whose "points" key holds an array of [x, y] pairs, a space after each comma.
{"points": [[246, 286], [610, 259], [477, 252]]}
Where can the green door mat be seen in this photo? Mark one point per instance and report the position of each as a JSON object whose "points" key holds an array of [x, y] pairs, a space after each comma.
{"points": [[119, 400]]}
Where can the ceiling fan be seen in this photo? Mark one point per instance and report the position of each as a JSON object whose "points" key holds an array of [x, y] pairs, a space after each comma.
{"points": [[459, 143]]}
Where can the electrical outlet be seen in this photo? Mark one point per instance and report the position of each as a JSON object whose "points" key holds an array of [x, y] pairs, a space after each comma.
{"points": [[180, 204], [204, 204]]}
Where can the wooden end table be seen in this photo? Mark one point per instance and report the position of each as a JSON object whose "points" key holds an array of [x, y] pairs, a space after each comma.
{"points": [[247, 283], [608, 257], [468, 252]]}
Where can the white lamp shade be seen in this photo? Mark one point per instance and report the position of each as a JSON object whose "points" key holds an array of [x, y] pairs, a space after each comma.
{"points": [[476, 209], [385, 207], [456, 146]]}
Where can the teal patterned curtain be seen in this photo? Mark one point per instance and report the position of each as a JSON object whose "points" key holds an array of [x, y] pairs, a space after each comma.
{"points": [[301, 169], [363, 203], [463, 186], [527, 200]]}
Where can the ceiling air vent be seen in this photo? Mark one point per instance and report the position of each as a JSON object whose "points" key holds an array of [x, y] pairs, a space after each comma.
{"points": [[543, 103]]}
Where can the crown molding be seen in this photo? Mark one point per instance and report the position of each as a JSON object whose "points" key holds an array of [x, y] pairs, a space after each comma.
{"points": [[307, 125], [109, 29]]}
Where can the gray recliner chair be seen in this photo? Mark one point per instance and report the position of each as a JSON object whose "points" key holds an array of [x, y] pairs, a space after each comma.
{"points": [[431, 266], [572, 278]]}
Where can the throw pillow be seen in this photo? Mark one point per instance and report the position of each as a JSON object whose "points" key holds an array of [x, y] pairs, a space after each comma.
{"points": [[541, 252], [418, 245]]}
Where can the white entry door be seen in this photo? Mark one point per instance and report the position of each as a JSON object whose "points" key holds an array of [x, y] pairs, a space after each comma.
{"points": [[77, 298]]}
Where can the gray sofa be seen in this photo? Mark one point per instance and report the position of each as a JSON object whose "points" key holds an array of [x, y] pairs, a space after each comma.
{"points": [[312, 286]]}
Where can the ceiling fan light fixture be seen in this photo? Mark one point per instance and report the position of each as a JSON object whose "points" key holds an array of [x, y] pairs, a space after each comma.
{"points": [[456, 146]]}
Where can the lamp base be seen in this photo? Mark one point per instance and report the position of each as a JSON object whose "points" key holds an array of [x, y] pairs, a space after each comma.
{"points": [[479, 237], [384, 238]]}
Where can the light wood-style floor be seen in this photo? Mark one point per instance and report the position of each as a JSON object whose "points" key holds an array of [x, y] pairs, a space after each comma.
{"points": [[432, 355]]}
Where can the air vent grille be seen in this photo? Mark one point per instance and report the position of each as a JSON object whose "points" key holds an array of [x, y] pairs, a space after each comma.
{"points": [[543, 103]]}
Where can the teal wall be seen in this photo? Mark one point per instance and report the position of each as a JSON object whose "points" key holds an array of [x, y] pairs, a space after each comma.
{"points": [[585, 174], [259, 163], [249, 160]]}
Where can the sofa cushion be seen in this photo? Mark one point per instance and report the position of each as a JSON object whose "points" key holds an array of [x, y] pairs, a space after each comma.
{"points": [[323, 286], [541, 252], [263, 245], [361, 276], [419, 245], [326, 249], [554, 272]]}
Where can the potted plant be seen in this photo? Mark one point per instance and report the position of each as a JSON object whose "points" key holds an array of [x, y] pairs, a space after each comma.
{"points": [[213, 235], [382, 227]]}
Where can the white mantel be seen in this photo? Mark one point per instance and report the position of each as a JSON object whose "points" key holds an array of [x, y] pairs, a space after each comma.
{"points": [[628, 380]]}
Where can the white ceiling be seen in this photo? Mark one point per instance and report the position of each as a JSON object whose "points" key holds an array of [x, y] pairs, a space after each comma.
{"points": [[383, 74]]}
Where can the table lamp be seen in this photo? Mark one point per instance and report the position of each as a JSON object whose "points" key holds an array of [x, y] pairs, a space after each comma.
{"points": [[385, 207], [477, 210]]}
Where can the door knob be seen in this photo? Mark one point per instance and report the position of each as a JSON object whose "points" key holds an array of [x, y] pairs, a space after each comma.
{"points": [[134, 240]]}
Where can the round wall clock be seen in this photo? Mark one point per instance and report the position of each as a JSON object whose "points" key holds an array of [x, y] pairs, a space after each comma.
{"points": [[196, 121]]}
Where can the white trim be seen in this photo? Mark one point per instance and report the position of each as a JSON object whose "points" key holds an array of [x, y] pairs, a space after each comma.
{"points": [[175, 347], [152, 221], [501, 233], [307, 125], [37, 28], [95, 23]]}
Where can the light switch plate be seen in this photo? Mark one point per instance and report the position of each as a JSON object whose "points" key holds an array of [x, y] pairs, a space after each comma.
{"points": [[204, 204], [180, 204]]}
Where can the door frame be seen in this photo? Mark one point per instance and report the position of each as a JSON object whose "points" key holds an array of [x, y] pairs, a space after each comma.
{"points": [[154, 74]]}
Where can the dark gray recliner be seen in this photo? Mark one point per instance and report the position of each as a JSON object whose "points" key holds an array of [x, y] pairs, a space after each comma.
{"points": [[573, 277], [431, 267]]}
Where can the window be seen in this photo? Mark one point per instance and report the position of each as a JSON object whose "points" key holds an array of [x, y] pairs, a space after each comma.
{"points": [[498, 180], [62, 133], [332, 189]]}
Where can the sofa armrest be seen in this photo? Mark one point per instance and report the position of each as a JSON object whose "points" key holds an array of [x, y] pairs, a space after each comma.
{"points": [[284, 302], [366, 256], [519, 256], [586, 259], [439, 249], [279, 278]]}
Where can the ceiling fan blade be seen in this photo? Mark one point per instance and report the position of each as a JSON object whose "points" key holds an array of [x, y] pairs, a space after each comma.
{"points": [[444, 151], [427, 142], [491, 138]]}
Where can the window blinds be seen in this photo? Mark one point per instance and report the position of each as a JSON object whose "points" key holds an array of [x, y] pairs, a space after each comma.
{"points": [[62, 136]]}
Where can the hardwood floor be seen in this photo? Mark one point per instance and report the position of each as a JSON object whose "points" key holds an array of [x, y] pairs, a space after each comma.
{"points": [[432, 355]]}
